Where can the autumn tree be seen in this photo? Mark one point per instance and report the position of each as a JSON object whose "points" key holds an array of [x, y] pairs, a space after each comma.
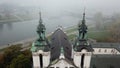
{"points": [[2, 61], [15, 57], [11, 52], [21, 62]]}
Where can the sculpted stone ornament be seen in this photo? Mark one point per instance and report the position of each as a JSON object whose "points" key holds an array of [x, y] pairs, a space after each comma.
{"points": [[82, 42], [41, 43], [82, 28], [41, 30]]}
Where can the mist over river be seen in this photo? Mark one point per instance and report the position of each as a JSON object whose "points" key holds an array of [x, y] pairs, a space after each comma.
{"points": [[18, 31], [55, 13]]}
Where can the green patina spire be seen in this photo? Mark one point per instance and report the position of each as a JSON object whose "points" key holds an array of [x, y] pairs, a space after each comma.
{"points": [[82, 37], [82, 42], [82, 28], [40, 21], [41, 41], [41, 30]]}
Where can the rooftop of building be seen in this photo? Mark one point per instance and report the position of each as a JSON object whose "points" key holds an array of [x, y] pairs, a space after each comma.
{"points": [[106, 45]]}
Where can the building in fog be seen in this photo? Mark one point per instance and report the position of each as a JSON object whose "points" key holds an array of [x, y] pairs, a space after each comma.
{"points": [[59, 52]]}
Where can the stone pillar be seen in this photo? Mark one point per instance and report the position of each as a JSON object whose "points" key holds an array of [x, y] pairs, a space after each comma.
{"points": [[36, 60], [77, 58], [46, 59], [41, 59], [82, 59], [87, 60]]}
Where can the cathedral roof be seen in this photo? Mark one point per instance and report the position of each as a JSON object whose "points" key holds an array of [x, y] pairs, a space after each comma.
{"points": [[60, 44]]}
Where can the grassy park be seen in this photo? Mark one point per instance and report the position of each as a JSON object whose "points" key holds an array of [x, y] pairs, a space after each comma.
{"points": [[100, 36]]}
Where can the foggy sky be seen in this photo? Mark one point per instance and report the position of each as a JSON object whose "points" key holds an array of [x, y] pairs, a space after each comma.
{"points": [[63, 5], [65, 8], [65, 12]]}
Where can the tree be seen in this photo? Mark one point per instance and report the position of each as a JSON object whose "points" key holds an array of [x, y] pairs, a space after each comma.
{"points": [[27, 53], [2, 61], [114, 29], [14, 57], [21, 62], [11, 52]]}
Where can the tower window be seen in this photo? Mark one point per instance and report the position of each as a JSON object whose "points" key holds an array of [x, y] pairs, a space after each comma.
{"points": [[71, 67], [82, 60], [99, 50], [51, 67], [112, 51], [41, 60], [105, 50]]}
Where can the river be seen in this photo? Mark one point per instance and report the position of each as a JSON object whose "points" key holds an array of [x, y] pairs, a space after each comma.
{"points": [[17, 31]]}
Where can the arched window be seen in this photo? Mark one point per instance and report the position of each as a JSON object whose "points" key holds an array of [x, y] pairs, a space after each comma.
{"points": [[105, 50], [82, 60], [99, 50], [112, 51], [41, 60]]}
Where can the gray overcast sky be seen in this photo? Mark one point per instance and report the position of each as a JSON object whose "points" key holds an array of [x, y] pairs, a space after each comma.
{"points": [[91, 3], [64, 12], [107, 6]]}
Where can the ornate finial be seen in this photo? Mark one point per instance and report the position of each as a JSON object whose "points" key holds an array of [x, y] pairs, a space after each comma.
{"points": [[83, 21], [40, 21]]}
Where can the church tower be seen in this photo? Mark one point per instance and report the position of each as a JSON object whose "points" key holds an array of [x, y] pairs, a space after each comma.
{"points": [[40, 48], [60, 53], [82, 48]]}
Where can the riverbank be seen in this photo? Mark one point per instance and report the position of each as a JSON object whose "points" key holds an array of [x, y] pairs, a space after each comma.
{"points": [[15, 20], [24, 43]]}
